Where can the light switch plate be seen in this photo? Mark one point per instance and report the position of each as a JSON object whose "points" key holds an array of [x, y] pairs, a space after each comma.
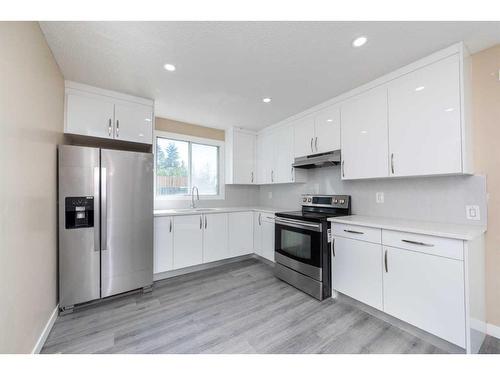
{"points": [[379, 196], [472, 212]]}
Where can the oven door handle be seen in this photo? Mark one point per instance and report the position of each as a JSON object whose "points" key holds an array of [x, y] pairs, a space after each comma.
{"points": [[298, 224]]}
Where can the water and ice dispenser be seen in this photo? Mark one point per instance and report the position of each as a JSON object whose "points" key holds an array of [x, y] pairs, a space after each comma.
{"points": [[79, 212]]}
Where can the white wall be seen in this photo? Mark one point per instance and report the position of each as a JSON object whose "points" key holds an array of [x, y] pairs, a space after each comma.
{"points": [[440, 199], [31, 125]]}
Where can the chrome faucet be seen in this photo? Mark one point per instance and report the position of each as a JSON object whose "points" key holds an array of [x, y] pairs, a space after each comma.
{"points": [[193, 205]]}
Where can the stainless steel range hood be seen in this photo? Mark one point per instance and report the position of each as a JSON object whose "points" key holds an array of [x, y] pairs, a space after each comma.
{"points": [[326, 159]]}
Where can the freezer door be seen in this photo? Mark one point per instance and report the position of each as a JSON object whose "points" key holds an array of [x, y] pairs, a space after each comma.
{"points": [[78, 212], [127, 221]]}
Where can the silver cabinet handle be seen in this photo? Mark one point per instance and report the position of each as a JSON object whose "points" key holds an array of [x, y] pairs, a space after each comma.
{"points": [[352, 231], [96, 209], [104, 210], [252, 176], [272, 176], [418, 243], [312, 145], [260, 218], [206, 220], [385, 262], [170, 228], [343, 174], [117, 128], [392, 163], [109, 128], [291, 174], [201, 222], [316, 143], [333, 247]]}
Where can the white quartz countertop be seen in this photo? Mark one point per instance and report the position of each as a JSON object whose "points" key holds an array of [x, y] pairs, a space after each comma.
{"points": [[214, 210], [456, 231]]}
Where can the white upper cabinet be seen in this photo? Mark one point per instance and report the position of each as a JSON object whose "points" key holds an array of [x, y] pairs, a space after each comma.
{"points": [[88, 114], [283, 155], [327, 129], [364, 140], [424, 121], [95, 112], [304, 136], [133, 122], [240, 157]]}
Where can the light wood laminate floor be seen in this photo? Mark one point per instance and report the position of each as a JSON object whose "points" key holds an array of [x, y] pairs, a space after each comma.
{"points": [[235, 308]]}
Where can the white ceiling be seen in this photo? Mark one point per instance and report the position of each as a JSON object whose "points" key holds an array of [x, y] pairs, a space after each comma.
{"points": [[224, 69]]}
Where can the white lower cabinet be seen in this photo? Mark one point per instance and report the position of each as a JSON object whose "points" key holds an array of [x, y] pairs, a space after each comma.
{"points": [[357, 270], [268, 237], [163, 244], [188, 240], [240, 228], [426, 291], [215, 237], [257, 233]]}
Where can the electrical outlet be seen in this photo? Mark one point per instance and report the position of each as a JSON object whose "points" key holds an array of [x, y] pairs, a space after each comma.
{"points": [[270, 195], [379, 196], [472, 212]]}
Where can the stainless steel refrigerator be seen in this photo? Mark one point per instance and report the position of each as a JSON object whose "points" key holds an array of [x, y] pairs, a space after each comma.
{"points": [[105, 203]]}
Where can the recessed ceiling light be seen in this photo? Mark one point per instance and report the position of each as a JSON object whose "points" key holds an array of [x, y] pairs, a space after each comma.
{"points": [[329, 120], [266, 100], [449, 109], [419, 88], [169, 67], [147, 119], [359, 41]]}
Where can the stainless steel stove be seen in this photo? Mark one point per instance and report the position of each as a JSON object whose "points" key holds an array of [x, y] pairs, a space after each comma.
{"points": [[302, 238]]}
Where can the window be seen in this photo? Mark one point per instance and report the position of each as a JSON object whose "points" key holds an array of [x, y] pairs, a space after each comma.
{"points": [[182, 162]]}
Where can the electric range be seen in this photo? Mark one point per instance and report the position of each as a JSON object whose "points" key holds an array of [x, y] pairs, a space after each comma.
{"points": [[302, 243]]}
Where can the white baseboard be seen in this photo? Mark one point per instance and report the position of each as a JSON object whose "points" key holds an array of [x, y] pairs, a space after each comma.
{"points": [[493, 330], [45, 333]]}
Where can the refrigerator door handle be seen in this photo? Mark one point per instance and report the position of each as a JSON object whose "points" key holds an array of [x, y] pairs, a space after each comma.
{"points": [[104, 210], [97, 246]]}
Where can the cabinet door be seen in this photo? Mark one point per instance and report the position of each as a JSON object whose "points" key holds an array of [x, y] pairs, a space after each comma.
{"points": [[243, 158], [240, 233], [283, 155], [90, 115], [257, 233], [424, 121], [164, 244], [268, 238], [304, 136], [327, 130], [364, 140], [357, 270], [265, 157], [426, 291], [133, 122], [215, 237], [188, 239]]}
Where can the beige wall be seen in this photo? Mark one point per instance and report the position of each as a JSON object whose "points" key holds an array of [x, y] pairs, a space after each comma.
{"points": [[31, 124], [486, 120], [188, 129]]}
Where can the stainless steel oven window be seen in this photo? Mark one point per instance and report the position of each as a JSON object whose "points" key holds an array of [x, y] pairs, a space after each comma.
{"points": [[296, 244]]}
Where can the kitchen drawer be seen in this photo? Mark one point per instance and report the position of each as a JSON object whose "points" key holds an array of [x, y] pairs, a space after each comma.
{"points": [[445, 247], [357, 232]]}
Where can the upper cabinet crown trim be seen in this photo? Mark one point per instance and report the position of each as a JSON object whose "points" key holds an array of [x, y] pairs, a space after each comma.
{"points": [[457, 48], [71, 85]]}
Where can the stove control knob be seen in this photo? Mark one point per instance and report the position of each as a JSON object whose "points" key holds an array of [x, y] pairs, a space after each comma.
{"points": [[304, 199], [342, 201], [309, 200], [335, 201]]}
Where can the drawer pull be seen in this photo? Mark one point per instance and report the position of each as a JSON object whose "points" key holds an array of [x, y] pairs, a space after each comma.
{"points": [[385, 262], [418, 243], [352, 231]]}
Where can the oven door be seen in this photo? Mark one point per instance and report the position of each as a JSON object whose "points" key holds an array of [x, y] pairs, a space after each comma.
{"points": [[298, 245]]}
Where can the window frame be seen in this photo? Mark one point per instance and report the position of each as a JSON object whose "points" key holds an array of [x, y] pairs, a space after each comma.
{"points": [[192, 139]]}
